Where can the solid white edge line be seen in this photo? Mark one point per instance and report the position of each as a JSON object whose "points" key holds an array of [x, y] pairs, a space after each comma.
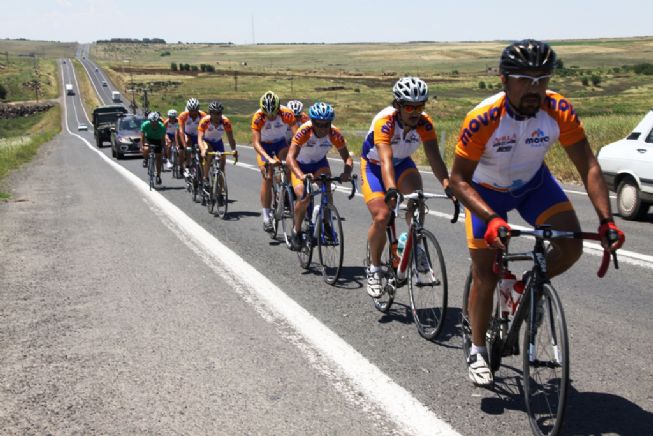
{"points": [[404, 409]]}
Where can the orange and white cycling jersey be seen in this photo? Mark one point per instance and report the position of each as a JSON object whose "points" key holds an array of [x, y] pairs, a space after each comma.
{"points": [[189, 125], [509, 148], [275, 130], [171, 128], [386, 129], [211, 131], [314, 149]]}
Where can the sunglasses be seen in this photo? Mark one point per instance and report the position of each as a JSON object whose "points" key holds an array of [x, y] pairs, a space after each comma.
{"points": [[532, 81], [322, 124], [271, 114], [410, 108]]}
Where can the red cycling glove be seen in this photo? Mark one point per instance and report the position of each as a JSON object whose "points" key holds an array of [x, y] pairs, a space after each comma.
{"points": [[492, 232], [610, 225]]}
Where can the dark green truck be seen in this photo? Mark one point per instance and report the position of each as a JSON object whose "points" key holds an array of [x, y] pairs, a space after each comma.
{"points": [[104, 118]]}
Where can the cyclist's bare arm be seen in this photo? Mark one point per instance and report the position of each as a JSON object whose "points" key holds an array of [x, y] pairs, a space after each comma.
{"points": [[590, 172], [256, 143], [349, 163], [387, 167], [461, 181], [142, 140], [432, 151], [232, 141], [291, 160], [201, 144]]}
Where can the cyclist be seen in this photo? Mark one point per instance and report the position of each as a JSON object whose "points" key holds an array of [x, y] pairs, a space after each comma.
{"points": [[188, 122], [269, 125], [152, 133], [172, 127], [307, 156], [209, 137], [300, 117], [499, 166], [387, 169]]}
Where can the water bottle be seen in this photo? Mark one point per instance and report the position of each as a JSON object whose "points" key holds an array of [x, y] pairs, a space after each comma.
{"points": [[515, 294], [506, 286], [401, 243], [316, 212]]}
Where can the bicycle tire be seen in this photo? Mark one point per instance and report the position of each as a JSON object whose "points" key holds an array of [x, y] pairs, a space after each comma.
{"points": [[221, 194], [150, 171], [546, 380], [288, 217], [277, 199], [428, 290], [465, 321], [330, 244], [384, 302], [174, 160], [194, 182], [305, 252], [209, 194]]}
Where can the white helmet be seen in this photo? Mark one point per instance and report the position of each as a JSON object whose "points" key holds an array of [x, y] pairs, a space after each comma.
{"points": [[410, 90], [154, 116], [296, 106], [193, 104], [172, 113]]}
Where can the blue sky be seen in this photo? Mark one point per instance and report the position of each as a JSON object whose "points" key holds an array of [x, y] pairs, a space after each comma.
{"points": [[324, 21]]}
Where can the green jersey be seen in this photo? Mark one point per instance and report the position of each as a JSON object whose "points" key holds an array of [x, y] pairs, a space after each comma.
{"points": [[155, 131]]}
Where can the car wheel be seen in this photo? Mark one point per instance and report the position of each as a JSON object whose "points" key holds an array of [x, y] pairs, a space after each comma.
{"points": [[120, 156], [629, 200], [98, 142]]}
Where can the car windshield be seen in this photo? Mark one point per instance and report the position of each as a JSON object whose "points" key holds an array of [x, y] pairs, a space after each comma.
{"points": [[130, 123]]}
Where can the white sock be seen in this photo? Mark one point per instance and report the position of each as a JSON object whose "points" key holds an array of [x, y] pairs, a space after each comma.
{"points": [[374, 268], [266, 214], [476, 349]]}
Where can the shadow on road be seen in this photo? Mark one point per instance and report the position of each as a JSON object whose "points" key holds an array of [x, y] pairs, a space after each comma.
{"points": [[237, 215]]}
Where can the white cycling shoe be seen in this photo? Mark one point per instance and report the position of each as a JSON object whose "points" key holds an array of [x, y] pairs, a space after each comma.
{"points": [[479, 370], [374, 284]]}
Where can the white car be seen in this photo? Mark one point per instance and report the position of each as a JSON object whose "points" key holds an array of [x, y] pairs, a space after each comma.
{"points": [[628, 169], [82, 127]]}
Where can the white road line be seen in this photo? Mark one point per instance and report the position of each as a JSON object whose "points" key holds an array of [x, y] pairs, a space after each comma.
{"points": [[72, 67], [381, 391], [92, 83]]}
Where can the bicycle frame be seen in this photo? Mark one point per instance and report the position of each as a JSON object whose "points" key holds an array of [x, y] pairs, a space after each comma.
{"points": [[312, 191]]}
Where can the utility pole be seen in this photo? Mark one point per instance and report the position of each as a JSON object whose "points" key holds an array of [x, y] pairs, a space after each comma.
{"points": [[236, 80], [292, 92]]}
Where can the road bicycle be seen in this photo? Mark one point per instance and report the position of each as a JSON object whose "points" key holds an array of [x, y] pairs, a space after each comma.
{"points": [[545, 361], [322, 227], [174, 161], [283, 202], [421, 265], [195, 172], [151, 160], [216, 195]]}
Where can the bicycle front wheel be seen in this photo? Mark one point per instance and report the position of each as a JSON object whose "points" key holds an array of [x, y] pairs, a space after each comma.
{"points": [[330, 243], [546, 364], [305, 252], [427, 284], [174, 161], [220, 194], [150, 171], [389, 282], [276, 207], [288, 213]]}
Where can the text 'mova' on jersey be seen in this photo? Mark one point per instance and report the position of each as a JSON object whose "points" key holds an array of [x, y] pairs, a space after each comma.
{"points": [[509, 148], [314, 149], [386, 128]]}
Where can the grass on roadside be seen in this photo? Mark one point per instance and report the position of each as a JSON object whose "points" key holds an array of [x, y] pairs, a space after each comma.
{"points": [[88, 94], [18, 147]]}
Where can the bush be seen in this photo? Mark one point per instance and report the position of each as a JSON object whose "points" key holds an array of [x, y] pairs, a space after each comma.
{"points": [[194, 68], [3, 92], [646, 69], [481, 85], [596, 80], [165, 53], [173, 66], [584, 81]]}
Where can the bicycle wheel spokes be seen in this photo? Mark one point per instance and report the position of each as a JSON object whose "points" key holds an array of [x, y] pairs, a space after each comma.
{"points": [[305, 253], [221, 194], [288, 213], [546, 365], [330, 244], [276, 208], [427, 284]]}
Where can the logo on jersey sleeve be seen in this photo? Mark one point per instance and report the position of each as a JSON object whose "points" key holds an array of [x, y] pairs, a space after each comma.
{"points": [[538, 138]]}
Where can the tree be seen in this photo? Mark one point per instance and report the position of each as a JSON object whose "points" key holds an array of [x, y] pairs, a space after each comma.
{"points": [[584, 81], [596, 80], [173, 66], [481, 85], [3, 92]]}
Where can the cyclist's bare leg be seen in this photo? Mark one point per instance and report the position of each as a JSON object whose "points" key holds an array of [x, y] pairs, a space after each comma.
{"points": [[481, 295], [206, 163], [302, 203], [409, 182], [376, 236], [159, 162], [266, 186], [564, 252]]}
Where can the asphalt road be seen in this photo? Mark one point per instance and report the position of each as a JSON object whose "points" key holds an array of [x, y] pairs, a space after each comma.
{"points": [[122, 312]]}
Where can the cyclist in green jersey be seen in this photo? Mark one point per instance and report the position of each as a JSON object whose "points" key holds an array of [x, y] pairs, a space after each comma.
{"points": [[153, 133]]}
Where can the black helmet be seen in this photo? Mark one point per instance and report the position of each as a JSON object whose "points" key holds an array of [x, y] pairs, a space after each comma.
{"points": [[216, 106], [527, 54]]}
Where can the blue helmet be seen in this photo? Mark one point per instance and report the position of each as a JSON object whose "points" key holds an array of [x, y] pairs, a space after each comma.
{"points": [[321, 111]]}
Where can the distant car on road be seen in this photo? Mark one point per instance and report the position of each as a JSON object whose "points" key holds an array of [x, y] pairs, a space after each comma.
{"points": [[627, 167], [82, 127], [126, 137], [104, 83]]}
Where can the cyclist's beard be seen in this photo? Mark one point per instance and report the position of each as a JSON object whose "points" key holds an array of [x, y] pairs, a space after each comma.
{"points": [[529, 104]]}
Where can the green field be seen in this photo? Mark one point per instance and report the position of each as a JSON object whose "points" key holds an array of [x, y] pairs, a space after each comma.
{"points": [[23, 63], [357, 80]]}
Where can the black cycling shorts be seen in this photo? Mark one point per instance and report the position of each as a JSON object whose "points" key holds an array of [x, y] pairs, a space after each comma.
{"points": [[156, 144]]}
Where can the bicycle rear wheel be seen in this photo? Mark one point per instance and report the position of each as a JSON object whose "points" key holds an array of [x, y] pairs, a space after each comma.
{"points": [[288, 213], [427, 284], [276, 207], [210, 193], [465, 321], [389, 282], [150, 171], [546, 364], [220, 194], [330, 243], [194, 179]]}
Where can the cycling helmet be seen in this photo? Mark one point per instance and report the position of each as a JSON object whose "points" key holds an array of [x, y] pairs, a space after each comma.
{"points": [[154, 117], [410, 90], [172, 113], [527, 54], [296, 106], [216, 106], [193, 104], [321, 111], [269, 102]]}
